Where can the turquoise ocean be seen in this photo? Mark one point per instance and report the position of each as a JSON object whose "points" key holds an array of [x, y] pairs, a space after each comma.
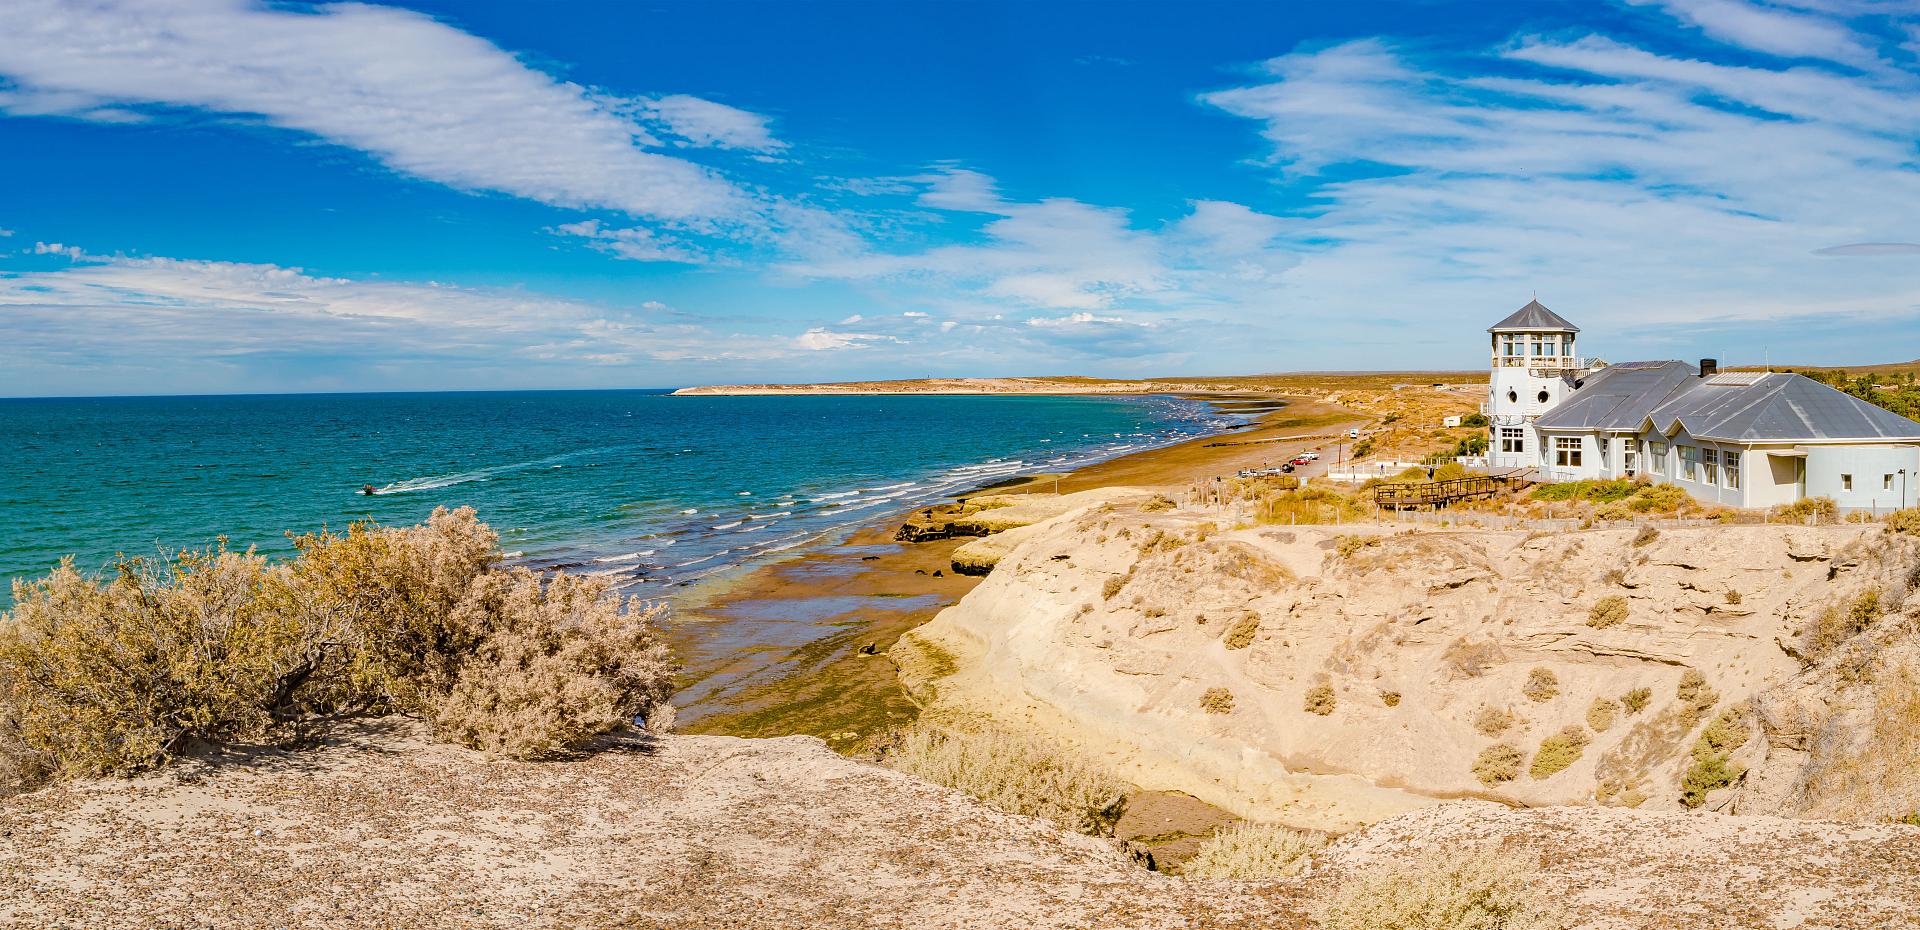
{"points": [[651, 489]]}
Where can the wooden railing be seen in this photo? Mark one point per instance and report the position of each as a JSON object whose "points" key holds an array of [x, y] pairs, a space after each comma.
{"points": [[1403, 495]]}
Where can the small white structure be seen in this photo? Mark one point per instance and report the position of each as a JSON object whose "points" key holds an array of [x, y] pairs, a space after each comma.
{"points": [[1449, 422], [1743, 439]]}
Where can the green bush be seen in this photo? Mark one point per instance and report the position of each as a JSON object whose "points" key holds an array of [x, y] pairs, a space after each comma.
{"points": [[1598, 491], [1712, 767], [1476, 420], [1559, 751], [1657, 498]]}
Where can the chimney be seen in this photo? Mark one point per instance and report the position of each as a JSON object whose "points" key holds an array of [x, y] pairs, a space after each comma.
{"points": [[1709, 367]]}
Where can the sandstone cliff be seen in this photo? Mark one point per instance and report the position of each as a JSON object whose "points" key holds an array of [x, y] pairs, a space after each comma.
{"points": [[1329, 677]]}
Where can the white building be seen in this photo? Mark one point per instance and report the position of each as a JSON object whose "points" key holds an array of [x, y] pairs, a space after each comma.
{"points": [[1743, 439]]}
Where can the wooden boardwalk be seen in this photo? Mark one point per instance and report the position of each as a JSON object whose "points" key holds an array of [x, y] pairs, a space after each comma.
{"points": [[1407, 495]]}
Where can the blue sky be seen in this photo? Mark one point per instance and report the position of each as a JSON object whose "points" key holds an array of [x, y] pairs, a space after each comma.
{"points": [[225, 195]]}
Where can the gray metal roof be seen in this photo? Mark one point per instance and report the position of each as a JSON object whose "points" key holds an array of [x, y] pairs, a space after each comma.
{"points": [[1775, 407], [1534, 318], [1619, 397]]}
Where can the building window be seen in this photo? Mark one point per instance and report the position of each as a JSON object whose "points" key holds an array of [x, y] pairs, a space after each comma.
{"points": [[1710, 466], [1886, 482], [1689, 457], [1732, 463], [1630, 453], [1658, 452], [1566, 345], [1513, 439], [1566, 451], [1600, 450], [1846, 482]]}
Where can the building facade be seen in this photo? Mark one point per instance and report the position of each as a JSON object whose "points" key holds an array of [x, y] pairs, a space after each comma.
{"points": [[1741, 439]]}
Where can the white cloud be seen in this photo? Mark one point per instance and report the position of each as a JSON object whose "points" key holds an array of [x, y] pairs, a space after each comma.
{"points": [[1075, 319], [634, 244], [181, 315], [706, 123], [1871, 248], [1767, 29], [1626, 185], [6, 233], [55, 248], [913, 314], [820, 339], [421, 97]]}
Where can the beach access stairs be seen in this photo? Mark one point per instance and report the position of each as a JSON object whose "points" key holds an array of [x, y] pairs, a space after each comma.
{"points": [[1414, 495]]}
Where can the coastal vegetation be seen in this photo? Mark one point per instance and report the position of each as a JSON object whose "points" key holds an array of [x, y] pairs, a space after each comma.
{"points": [[117, 674], [1015, 772], [1445, 891], [1253, 852]]}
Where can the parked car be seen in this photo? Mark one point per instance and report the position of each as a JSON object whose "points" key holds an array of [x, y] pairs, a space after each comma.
{"points": [[1310, 455], [1300, 460]]}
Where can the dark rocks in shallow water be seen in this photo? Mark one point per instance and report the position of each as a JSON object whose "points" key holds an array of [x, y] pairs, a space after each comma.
{"points": [[869, 558], [870, 649], [938, 573]]}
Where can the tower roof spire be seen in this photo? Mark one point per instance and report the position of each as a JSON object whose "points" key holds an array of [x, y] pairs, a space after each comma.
{"points": [[1534, 318]]}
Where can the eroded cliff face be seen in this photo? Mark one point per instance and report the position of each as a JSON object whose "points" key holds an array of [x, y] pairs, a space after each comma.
{"points": [[1329, 676]]}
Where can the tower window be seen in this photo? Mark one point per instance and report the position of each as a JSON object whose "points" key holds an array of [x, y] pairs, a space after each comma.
{"points": [[1513, 397], [1543, 395]]}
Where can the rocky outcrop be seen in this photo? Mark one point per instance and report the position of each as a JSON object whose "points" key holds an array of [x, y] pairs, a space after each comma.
{"points": [[1373, 669], [384, 829]]}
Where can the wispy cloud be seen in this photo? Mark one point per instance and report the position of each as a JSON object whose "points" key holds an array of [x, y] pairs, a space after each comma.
{"points": [[1774, 30], [417, 95]]}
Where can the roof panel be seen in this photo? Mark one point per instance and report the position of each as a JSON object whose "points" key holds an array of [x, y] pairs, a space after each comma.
{"points": [[1534, 318]]}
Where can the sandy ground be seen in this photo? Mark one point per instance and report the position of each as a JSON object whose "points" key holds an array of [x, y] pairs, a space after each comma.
{"points": [[383, 830]]}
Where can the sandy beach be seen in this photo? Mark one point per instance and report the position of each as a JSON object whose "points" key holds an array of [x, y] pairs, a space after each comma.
{"points": [[777, 650]]}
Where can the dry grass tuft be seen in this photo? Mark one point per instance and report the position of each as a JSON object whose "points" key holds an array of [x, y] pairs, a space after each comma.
{"points": [[1559, 751], [1696, 697], [1498, 763], [1346, 546], [1601, 715], [1158, 503], [1445, 891], [1470, 659], [1492, 721], [1240, 634], [1114, 584], [1841, 622], [1390, 698], [1015, 772], [1645, 537], [1320, 699], [1217, 701], [1607, 611], [1870, 775], [1542, 685], [1253, 852], [1637, 700]]}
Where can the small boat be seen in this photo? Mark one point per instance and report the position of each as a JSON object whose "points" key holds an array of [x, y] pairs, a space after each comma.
{"points": [[368, 490]]}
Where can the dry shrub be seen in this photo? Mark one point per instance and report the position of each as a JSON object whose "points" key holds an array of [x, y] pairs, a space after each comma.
{"points": [[557, 664], [1696, 698], [1733, 597], [1492, 721], [1471, 659], [1712, 768], [1862, 768], [1217, 701], [1815, 509], [1498, 763], [1157, 504], [1601, 714], [1558, 751], [1253, 852], [1542, 685], [1904, 521], [1645, 537], [1841, 622], [1346, 546], [1390, 698], [1241, 633], [1658, 498], [1114, 584], [1016, 773], [1308, 506], [1445, 891], [1637, 700], [1607, 611], [1320, 700], [116, 674]]}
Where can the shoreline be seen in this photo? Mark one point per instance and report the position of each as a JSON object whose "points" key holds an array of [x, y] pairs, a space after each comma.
{"points": [[805, 673]]}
